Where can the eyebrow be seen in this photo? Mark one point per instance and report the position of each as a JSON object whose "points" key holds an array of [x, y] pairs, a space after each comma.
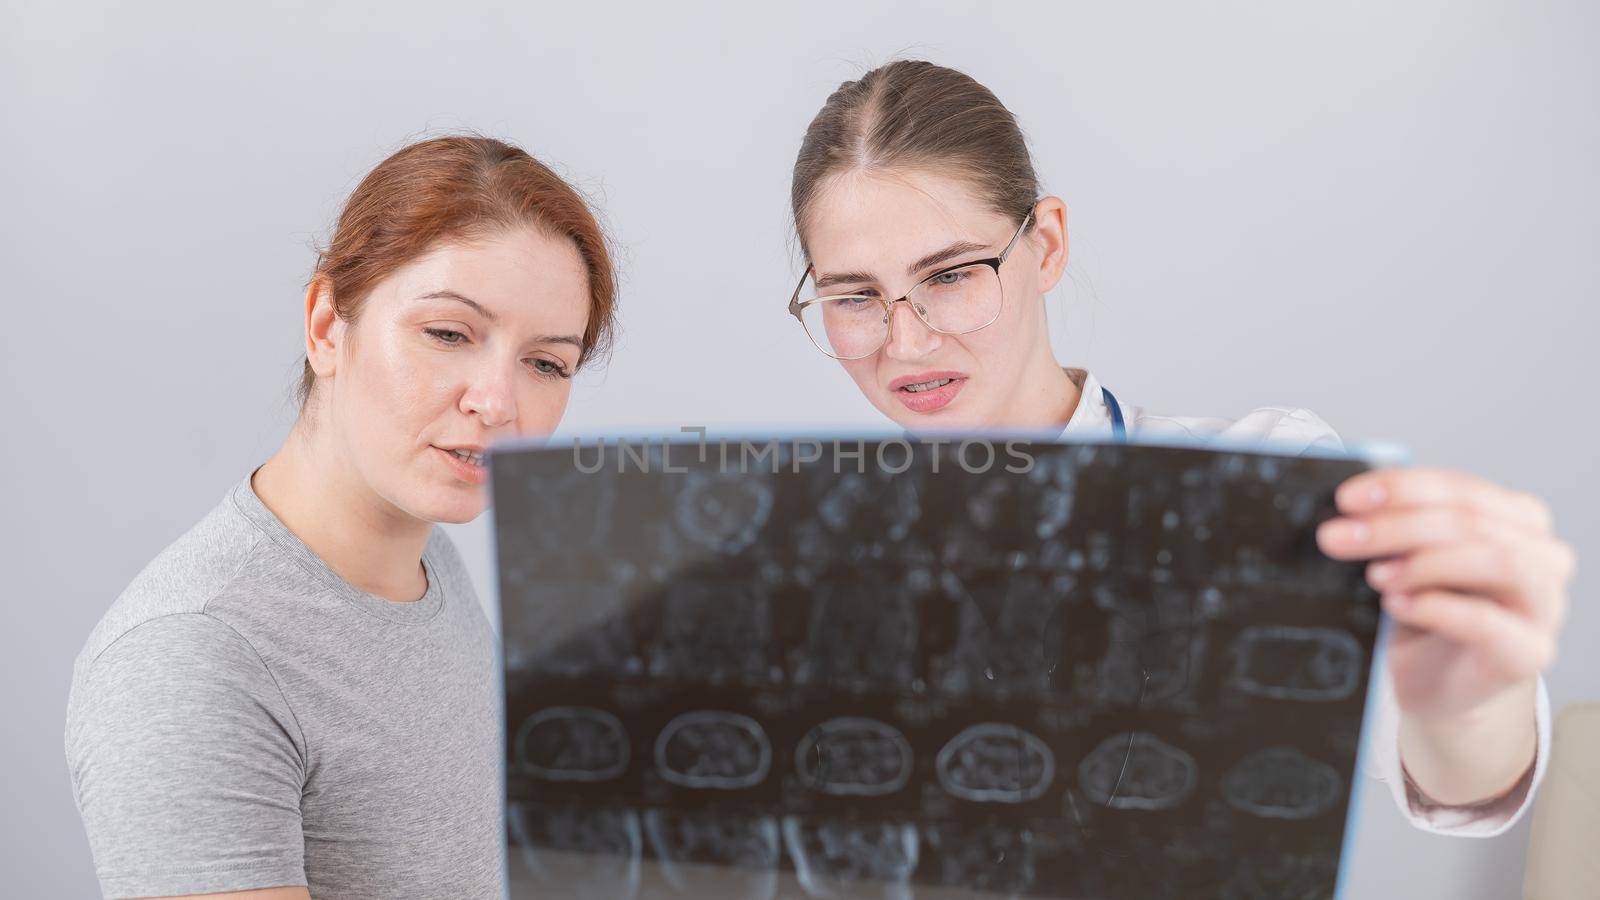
{"points": [[452, 295], [573, 339], [959, 248]]}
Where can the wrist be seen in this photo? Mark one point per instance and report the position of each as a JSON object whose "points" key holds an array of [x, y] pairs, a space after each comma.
{"points": [[1476, 755]]}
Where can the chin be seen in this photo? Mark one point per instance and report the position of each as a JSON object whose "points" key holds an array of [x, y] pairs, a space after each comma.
{"points": [[450, 506], [947, 419], [459, 513], [455, 518]]}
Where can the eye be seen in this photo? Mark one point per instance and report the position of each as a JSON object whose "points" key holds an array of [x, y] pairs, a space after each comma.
{"points": [[445, 335], [549, 368], [955, 277]]}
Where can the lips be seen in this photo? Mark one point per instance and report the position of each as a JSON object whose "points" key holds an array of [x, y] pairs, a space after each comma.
{"points": [[470, 454], [926, 392], [465, 469], [905, 381]]}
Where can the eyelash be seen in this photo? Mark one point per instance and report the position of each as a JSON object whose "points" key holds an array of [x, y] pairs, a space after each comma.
{"points": [[872, 292], [439, 334], [560, 371]]}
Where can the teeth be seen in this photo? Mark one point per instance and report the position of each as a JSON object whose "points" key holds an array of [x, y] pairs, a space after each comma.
{"points": [[474, 458], [927, 385]]}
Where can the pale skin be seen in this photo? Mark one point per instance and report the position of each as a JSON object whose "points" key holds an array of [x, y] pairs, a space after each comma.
{"points": [[359, 478], [1471, 572]]}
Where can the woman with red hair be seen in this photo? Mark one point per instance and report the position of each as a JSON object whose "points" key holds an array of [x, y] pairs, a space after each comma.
{"points": [[300, 694]]}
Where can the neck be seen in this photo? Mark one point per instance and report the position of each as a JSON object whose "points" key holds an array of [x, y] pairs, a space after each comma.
{"points": [[310, 485]]}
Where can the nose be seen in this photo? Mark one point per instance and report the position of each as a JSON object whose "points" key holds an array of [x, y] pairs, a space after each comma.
{"points": [[910, 338], [489, 396]]}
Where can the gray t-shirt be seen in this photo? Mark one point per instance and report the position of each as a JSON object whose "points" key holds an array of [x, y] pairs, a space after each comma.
{"points": [[244, 718]]}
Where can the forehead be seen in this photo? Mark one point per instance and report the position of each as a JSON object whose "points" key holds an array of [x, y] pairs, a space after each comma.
{"points": [[525, 276], [878, 222]]}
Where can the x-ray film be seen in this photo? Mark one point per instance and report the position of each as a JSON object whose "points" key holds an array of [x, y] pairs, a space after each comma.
{"points": [[776, 668]]}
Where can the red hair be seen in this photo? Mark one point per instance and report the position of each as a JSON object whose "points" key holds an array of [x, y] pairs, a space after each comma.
{"points": [[454, 188]]}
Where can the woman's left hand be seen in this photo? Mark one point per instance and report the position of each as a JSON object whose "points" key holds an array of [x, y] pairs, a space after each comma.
{"points": [[1476, 582], [1471, 573]]}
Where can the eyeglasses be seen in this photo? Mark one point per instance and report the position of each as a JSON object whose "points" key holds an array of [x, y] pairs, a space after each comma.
{"points": [[959, 299]]}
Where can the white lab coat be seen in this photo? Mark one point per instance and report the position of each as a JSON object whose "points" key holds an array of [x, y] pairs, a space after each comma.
{"points": [[1296, 431]]}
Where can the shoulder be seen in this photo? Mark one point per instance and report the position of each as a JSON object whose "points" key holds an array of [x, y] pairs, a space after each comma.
{"points": [[1284, 429], [188, 654], [181, 580]]}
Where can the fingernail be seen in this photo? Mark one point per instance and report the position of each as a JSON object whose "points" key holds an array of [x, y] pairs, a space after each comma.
{"points": [[1347, 531], [1397, 602], [1380, 574], [1358, 497]]}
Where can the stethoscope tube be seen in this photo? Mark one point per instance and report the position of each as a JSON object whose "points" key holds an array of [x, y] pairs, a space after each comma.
{"points": [[1119, 430]]}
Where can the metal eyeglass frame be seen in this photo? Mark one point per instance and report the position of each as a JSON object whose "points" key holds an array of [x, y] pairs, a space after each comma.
{"points": [[797, 306]]}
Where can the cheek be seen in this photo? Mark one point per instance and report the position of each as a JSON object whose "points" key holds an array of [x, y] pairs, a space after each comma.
{"points": [[398, 383], [990, 345], [540, 408], [863, 372], [1025, 311], [1000, 346]]}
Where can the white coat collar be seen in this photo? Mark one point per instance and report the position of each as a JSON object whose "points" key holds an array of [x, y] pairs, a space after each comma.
{"points": [[1092, 417]]}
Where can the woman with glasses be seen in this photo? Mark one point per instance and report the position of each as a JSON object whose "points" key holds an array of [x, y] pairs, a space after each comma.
{"points": [[930, 248], [299, 696]]}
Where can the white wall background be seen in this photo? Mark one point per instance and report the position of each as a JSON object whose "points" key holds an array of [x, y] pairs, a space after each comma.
{"points": [[1385, 212]]}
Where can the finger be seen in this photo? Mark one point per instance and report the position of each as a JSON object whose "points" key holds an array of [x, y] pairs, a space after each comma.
{"points": [[1513, 646], [1399, 488], [1530, 576], [1404, 635], [1401, 530]]}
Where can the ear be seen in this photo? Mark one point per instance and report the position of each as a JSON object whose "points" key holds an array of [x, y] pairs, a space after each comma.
{"points": [[1050, 236], [324, 328]]}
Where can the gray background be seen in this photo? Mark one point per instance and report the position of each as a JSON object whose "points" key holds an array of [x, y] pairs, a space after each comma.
{"points": [[1384, 212]]}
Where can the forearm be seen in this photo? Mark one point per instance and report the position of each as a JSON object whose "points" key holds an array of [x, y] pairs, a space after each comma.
{"points": [[1475, 757]]}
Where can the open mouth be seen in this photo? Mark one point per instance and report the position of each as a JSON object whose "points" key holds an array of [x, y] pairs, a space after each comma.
{"points": [[921, 386], [926, 392], [467, 465]]}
